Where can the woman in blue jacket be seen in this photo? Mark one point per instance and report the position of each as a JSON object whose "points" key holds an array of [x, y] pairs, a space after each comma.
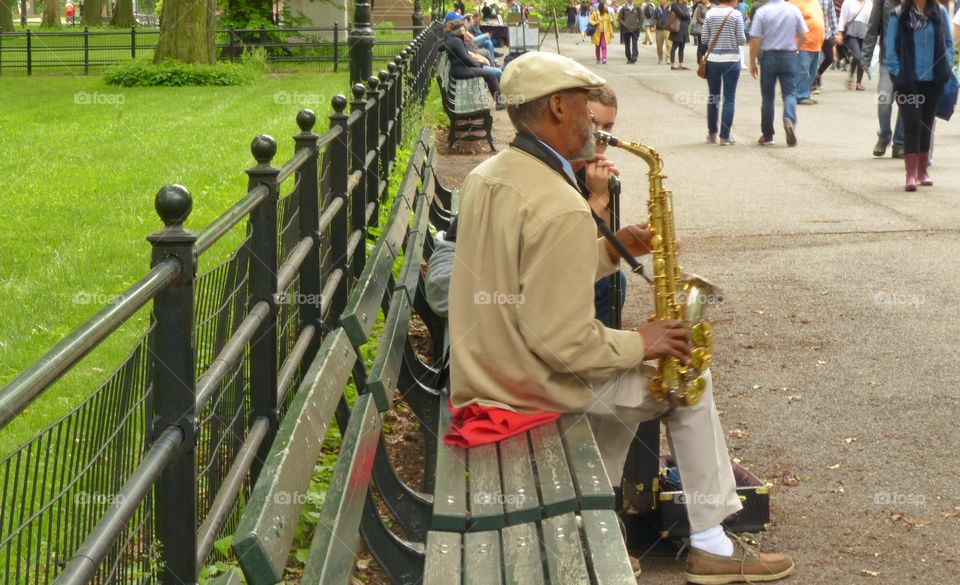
{"points": [[919, 59]]}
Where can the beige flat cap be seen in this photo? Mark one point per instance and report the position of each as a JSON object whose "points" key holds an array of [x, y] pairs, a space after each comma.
{"points": [[537, 74]]}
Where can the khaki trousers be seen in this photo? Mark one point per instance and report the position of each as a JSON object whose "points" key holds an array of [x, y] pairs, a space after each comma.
{"points": [[694, 433], [648, 35], [663, 39]]}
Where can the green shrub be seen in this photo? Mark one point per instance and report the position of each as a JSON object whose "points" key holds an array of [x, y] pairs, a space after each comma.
{"points": [[176, 74]]}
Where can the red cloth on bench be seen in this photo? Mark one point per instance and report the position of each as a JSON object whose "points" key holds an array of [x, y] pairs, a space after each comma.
{"points": [[476, 425]]}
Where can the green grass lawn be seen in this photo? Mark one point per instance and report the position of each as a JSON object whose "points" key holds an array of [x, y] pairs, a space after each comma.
{"points": [[62, 51], [81, 162]]}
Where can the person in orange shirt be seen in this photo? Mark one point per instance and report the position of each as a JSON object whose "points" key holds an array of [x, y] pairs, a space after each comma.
{"points": [[808, 56]]}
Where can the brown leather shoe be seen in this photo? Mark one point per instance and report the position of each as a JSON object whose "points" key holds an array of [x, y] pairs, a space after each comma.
{"points": [[746, 565]]}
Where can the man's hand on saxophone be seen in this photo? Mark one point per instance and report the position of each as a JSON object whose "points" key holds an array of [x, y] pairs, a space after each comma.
{"points": [[665, 338]]}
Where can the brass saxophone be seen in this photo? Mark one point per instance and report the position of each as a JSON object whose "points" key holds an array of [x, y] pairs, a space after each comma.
{"points": [[676, 296]]}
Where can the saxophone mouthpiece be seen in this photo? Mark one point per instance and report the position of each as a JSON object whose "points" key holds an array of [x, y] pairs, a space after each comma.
{"points": [[606, 138]]}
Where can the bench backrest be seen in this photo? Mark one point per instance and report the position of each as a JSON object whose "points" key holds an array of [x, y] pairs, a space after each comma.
{"points": [[266, 531]]}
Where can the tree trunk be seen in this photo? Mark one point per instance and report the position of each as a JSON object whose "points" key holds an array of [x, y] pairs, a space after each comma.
{"points": [[51, 14], [92, 9], [123, 17], [6, 15], [183, 32]]}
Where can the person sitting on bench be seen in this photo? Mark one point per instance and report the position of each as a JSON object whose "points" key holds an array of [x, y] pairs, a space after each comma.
{"points": [[467, 65], [523, 339], [592, 181], [479, 38]]}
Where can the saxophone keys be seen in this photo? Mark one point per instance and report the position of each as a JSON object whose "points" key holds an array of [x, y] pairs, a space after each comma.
{"points": [[701, 334], [701, 358], [694, 392], [656, 388]]}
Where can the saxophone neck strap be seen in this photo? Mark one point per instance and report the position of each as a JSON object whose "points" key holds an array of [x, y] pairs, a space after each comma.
{"points": [[534, 147]]}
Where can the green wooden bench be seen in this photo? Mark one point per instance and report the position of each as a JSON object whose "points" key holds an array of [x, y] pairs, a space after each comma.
{"points": [[534, 508], [466, 105], [265, 533]]}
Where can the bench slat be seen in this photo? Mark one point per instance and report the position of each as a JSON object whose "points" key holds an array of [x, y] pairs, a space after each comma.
{"points": [[443, 559], [266, 529], [556, 484], [364, 302], [450, 492], [590, 479], [605, 547], [481, 558], [413, 254], [521, 555], [454, 201], [561, 543], [519, 483], [334, 542], [486, 497], [382, 380]]}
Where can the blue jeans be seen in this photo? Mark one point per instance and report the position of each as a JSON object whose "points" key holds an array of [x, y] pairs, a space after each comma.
{"points": [[483, 42], [774, 66], [601, 298], [496, 71], [806, 72], [726, 74], [885, 109]]}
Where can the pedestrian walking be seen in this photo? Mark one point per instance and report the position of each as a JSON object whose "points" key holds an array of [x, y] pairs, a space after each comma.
{"points": [[808, 53], [571, 17], [876, 37], [603, 31], [919, 48], [663, 33], [583, 21], [776, 30], [681, 36], [827, 49], [631, 19], [854, 19], [696, 26], [649, 11], [722, 35]]}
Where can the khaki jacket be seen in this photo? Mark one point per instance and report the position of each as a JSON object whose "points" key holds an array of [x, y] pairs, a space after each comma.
{"points": [[522, 329]]}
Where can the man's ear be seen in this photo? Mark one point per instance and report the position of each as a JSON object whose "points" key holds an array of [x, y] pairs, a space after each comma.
{"points": [[557, 106]]}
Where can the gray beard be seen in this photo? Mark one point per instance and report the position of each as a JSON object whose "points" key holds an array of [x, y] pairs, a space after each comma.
{"points": [[588, 151]]}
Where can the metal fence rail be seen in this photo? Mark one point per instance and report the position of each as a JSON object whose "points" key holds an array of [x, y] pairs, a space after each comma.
{"points": [[92, 51], [135, 484]]}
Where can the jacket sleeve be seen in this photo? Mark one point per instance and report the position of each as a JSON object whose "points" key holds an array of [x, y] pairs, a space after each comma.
{"points": [[873, 31], [558, 324], [457, 48], [893, 59]]}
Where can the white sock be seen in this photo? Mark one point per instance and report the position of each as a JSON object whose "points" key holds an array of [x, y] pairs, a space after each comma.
{"points": [[712, 540]]}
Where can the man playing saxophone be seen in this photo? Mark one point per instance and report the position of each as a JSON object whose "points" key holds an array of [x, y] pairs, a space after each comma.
{"points": [[524, 340]]}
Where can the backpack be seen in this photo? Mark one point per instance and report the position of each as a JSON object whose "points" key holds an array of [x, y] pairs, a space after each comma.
{"points": [[648, 11]]}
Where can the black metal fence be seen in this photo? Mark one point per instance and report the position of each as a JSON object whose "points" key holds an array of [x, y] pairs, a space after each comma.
{"points": [[137, 483], [85, 51]]}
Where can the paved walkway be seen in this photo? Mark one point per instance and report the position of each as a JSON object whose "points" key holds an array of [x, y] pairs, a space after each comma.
{"points": [[836, 361]]}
